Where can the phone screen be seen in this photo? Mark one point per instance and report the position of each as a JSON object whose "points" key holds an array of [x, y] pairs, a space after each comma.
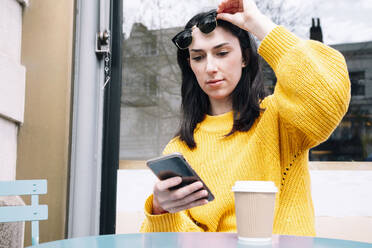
{"points": [[175, 165]]}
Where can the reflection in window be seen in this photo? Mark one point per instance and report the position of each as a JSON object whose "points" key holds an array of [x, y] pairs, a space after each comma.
{"points": [[269, 77], [150, 48], [357, 83], [352, 139], [150, 93], [142, 43], [140, 90], [151, 98]]}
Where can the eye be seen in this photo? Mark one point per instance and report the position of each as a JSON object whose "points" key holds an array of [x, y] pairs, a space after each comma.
{"points": [[197, 57], [222, 53]]}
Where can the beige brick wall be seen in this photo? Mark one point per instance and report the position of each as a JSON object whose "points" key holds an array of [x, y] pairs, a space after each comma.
{"points": [[43, 138], [12, 89], [12, 85], [8, 150], [11, 29]]}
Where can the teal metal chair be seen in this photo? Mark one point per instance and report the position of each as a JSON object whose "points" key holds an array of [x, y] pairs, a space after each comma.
{"points": [[33, 212]]}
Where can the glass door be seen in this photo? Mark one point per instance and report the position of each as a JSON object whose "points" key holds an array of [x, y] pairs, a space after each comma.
{"points": [[150, 88], [150, 101]]}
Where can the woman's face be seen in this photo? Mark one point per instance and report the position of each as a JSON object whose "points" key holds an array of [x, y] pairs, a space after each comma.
{"points": [[216, 60]]}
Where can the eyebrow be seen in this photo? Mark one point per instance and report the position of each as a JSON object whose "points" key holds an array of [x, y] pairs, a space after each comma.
{"points": [[216, 47]]}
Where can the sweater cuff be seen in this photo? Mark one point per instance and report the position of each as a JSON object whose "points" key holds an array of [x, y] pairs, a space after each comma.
{"points": [[276, 44], [161, 222]]}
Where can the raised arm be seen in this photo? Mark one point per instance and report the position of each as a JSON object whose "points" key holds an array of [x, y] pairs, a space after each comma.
{"points": [[313, 87], [246, 15], [312, 93]]}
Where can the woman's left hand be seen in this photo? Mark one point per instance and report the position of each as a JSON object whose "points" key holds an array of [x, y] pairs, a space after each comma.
{"points": [[246, 15]]}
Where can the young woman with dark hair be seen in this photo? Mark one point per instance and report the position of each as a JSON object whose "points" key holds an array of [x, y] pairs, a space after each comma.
{"points": [[245, 98], [231, 131]]}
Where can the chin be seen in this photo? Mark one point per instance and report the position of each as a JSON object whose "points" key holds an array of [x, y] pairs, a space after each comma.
{"points": [[219, 97]]}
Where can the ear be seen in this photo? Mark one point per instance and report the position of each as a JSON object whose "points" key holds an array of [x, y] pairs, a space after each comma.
{"points": [[245, 58], [244, 64]]}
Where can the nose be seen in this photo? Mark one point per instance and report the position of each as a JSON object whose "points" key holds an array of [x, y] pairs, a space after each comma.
{"points": [[211, 67]]}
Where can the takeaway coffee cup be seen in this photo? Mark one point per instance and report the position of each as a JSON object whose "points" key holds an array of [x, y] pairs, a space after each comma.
{"points": [[254, 208]]}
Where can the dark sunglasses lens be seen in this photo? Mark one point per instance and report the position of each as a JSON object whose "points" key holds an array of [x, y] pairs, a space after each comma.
{"points": [[183, 39], [208, 24]]}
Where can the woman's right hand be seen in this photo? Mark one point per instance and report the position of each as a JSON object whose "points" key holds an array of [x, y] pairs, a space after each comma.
{"points": [[246, 15], [173, 201]]}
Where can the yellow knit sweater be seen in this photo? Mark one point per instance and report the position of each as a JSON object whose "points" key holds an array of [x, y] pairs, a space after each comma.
{"points": [[310, 99]]}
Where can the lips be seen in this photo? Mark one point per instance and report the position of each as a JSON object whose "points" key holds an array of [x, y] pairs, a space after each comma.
{"points": [[214, 81]]}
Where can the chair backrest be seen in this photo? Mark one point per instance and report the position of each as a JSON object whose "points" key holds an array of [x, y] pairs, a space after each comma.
{"points": [[33, 212]]}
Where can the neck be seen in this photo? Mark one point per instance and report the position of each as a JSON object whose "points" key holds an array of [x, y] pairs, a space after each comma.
{"points": [[219, 107]]}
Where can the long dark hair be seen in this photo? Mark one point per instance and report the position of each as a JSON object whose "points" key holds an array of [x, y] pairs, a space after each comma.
{"points": [[246, 96]]}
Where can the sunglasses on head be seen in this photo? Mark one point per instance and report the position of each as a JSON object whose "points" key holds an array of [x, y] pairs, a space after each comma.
{"points": [[207, 24]]}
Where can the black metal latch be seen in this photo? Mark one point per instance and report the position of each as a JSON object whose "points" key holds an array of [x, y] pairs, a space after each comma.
{"points": [[103, 43]]}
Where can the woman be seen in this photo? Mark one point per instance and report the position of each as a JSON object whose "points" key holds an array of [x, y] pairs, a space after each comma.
{"points": [[230, 131]]}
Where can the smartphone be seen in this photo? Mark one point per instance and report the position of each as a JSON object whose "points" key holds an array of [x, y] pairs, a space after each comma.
{"points": [[173, 165]]}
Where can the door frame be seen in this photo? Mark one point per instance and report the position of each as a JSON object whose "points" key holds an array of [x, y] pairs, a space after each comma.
{"points": [[89, 118], [111, 125]]}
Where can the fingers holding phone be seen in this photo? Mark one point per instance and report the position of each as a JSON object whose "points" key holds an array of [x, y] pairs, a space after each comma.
{"points": [[172, 201], [179, 187]]}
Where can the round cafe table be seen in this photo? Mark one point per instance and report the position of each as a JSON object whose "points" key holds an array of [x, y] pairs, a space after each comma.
{"points": [[196, 240]]}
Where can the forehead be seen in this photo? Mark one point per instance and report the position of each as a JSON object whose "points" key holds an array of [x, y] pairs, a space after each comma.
{"points": [[214, 38]]}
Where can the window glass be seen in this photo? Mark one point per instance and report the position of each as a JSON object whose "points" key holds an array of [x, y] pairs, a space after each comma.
{"points": [[150, 101], [151, 78]]}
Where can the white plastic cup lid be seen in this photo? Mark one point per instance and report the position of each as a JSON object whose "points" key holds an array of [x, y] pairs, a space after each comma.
{"points": [[255, 186]]}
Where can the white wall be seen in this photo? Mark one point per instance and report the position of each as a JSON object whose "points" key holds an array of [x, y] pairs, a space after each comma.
{"points": [[12, 85], [133, 187], [8, 150], [342, 193]]}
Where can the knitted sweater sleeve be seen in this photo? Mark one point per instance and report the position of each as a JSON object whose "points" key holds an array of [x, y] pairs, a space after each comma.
{"points": [[168, 222], [313, 87]]}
